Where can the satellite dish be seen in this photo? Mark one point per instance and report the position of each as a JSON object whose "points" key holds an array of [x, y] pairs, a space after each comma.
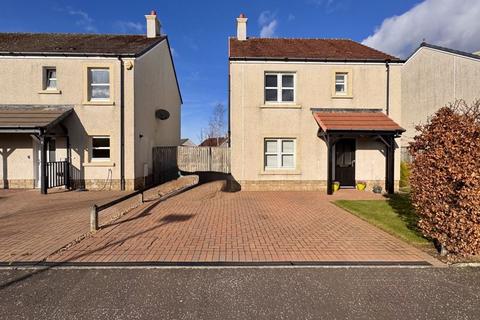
{"points": [[162, 114]]}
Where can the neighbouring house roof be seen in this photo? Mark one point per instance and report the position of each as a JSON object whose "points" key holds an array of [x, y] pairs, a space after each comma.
{"points": [[76, 44], [27, 118], [304, 49], [453, 51], [365, 121], [187, 142], [213, 142]]}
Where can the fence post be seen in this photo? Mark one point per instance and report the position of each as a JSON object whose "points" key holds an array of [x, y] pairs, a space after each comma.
{"points": [[94, 218]]}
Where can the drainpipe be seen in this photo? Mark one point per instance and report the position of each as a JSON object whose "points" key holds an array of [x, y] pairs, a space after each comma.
{"points": [[122, 125], [387, 65], [229, 92]]}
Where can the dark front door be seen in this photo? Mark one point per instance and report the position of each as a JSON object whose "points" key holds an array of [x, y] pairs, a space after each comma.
{"points": [[345, 162]]}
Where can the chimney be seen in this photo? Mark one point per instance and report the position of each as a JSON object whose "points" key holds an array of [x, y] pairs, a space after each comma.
{"points": [[242, 27], [153, 25]]}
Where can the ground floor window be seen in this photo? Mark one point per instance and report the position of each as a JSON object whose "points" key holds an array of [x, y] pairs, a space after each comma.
{"points": [[100, 148], [279, 153]]}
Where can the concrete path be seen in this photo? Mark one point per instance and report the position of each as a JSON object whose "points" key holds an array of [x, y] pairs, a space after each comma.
{"points": [[33, 226], [238, 293], [208, 225]]}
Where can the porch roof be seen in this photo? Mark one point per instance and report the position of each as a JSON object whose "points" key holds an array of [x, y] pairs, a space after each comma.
{"points": [[361, 121], [31, 118]]}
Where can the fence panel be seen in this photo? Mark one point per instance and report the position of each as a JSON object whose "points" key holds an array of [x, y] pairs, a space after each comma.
{"points": [[164, 164]]}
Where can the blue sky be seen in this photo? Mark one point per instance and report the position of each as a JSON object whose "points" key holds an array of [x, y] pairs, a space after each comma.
{"points": [[198, 31]]}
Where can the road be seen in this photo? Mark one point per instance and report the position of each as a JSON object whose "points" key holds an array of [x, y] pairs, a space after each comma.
{"points": [[241, 293]]}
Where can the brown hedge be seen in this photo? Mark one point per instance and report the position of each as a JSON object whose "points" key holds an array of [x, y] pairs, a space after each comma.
{"points": [[445, 177]]}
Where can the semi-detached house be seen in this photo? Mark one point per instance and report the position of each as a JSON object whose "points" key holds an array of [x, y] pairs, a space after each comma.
{"points": [[95, 104]]}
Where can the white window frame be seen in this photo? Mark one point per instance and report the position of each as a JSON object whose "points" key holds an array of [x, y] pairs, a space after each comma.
{"points": [[90, 84], [101, 148], [48, 79], [279, 153], [344, 83], [280, 87]]}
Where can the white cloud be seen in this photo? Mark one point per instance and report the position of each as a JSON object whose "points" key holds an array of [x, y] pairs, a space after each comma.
{"points": [[291, 17], [453, 24], [328, 5], [268, 24], [84, 20], [129, 26]]}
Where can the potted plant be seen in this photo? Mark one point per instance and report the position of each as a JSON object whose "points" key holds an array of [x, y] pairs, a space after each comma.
{"points": [[336, 185], [361, 185], [377, 188]]}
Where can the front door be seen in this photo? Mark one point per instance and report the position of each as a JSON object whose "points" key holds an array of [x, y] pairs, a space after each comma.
{"points": [[345, 162]]}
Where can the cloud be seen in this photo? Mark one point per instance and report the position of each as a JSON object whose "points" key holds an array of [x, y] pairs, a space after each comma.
{"points": [[174, 52], [447, 23], [129, 26], [84, 20], [268, 24], [329, 5], [291, 17]]}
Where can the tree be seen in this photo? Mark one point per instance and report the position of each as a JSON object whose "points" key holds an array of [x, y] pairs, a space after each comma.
{"points": [[216, 125], [445, 177]]}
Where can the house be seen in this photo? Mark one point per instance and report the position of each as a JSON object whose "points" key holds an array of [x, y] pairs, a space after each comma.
{"points": [[433, 77], [186, 142], [306, 112], [93, 103], [215, 142]]}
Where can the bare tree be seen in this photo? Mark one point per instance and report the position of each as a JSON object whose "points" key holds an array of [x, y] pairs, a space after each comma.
{"points": [[216, 125]]}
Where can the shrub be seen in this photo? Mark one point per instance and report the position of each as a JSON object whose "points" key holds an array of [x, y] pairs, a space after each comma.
{"points": [[404, 174], [445, 177]]}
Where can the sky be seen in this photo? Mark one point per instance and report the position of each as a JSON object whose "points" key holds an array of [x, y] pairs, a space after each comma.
{"points": [[198, 31]]}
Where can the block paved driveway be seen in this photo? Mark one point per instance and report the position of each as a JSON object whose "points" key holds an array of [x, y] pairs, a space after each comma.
{"points": [[207, 225], [33, 226]]}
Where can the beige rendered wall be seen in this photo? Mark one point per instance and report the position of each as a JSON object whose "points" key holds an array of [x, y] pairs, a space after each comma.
{"points": [[252, 120], [23, 85], [155, 88], [432, 79]]}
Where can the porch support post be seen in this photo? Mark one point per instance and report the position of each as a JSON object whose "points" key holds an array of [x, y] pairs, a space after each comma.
{"points": [[43, 164], [67, 164], [329, 165], [390, 166]]}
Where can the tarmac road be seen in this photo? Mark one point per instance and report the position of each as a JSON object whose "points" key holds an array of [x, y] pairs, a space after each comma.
{"points": [[241, 293]]}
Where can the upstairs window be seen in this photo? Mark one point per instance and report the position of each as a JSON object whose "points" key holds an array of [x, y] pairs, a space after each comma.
{"points": [[50, 79], [341, 80], [279, 153], [100, 148], [99, 84], [279, 87]]}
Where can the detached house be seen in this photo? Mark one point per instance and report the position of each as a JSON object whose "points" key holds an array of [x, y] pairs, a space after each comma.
{"points": [[307, 112], [85, 109]]}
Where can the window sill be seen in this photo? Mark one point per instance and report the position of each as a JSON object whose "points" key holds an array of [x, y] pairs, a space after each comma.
{"points": [[50, 91], [99, 164], [280, 172], [98, 103], [342, 96], [281, 106]]}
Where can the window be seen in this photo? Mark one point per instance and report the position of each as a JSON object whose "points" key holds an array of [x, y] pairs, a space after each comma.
{"points": [[341, 83], [279, 87], [50, 79], [279, 153], [99, 84], [100, 148]]}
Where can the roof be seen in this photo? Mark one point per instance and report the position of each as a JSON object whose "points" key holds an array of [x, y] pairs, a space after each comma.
{"points": [[444, 49], [213, 142], [373, 121], [76, 44], [32, 117], [304, 49]]}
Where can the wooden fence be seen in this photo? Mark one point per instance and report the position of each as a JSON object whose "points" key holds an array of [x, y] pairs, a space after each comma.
{"points": [[189, 159]]}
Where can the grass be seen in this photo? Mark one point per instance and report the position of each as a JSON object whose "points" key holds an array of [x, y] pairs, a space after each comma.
{"points": [[395, 216]]}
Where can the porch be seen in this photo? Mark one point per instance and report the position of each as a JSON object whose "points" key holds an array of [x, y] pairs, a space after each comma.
{"points": [[30, 137], [343, 129]]}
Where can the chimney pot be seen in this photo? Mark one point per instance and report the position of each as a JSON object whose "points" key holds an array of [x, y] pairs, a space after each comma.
{"points": [[153, 25]]}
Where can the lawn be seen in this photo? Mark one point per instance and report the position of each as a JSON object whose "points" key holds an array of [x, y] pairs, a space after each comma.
{"points": [[394, 215]]}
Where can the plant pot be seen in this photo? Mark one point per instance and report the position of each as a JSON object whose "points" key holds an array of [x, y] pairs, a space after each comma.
{"points": [[377, 189], [335, 186], [361, 186]]}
